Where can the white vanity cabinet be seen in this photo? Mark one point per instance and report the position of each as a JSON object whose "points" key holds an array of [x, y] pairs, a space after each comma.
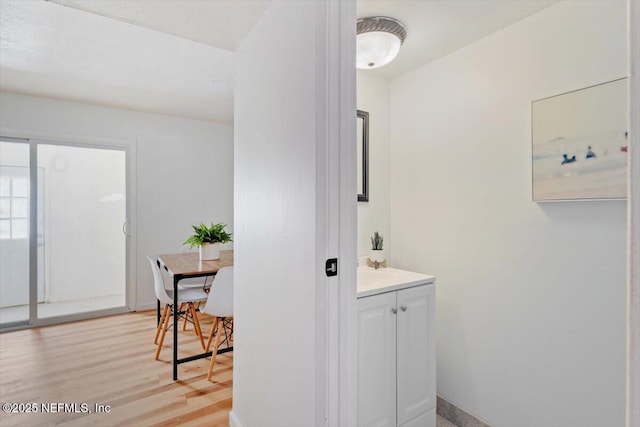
{"points": [[396, 357]]}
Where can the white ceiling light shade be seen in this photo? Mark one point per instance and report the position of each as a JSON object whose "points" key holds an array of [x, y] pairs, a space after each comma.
{"points": [[378, 41]]}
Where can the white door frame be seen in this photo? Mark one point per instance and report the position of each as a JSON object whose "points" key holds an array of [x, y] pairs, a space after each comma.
{"points": [[33, 139], [337, 215], [633, 223]]}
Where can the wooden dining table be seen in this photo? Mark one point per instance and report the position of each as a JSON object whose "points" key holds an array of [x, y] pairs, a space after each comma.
{"points": [[184, 266]]}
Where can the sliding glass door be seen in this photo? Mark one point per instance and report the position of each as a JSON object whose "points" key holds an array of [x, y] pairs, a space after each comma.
{"points": [[63, 231], [84, 243], [14, 232]]}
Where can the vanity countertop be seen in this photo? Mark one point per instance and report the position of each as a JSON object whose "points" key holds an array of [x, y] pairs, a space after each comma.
{"points": [[372, 281]]}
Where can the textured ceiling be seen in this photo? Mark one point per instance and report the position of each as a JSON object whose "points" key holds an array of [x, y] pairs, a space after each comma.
{"points": [[436, 28], [177, 57], [60, 52], [219, 23]]}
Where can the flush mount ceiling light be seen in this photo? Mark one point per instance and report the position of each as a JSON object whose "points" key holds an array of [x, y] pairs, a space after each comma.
{"points": [[379, 40]]}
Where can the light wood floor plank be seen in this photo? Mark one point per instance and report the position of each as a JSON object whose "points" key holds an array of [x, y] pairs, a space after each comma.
{"points": [[110, 361]]}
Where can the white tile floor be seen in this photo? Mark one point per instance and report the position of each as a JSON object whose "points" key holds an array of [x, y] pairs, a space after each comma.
{"points": [[52, 309]]}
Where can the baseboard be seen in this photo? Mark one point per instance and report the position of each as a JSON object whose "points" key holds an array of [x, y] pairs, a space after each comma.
{"points": [[457, 416], [147, 306], [234, 421]]}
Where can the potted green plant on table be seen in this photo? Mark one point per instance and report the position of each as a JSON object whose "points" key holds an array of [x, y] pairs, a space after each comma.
{"points": [[208, 239], [376, 254]]}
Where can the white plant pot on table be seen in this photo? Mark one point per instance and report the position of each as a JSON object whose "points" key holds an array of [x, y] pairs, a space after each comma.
{"points": [[376, 255], [209, 251]]}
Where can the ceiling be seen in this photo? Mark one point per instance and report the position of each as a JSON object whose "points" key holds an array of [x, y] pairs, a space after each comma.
{"points": [[50, 50], [177, 57], [219, 23], [436, 28]]}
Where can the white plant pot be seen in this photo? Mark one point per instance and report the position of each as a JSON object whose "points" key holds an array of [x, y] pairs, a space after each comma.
{"points": [[376, 255], [209, 251]]}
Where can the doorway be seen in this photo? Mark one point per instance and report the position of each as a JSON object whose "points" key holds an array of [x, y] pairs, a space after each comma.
{"points": [[63, 231]]}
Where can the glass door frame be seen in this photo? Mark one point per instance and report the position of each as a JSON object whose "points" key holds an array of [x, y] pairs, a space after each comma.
{"points": [[129, 227]]}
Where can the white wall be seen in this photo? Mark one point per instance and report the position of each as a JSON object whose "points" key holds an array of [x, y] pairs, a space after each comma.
{"points": [[633, 218], [531, 297], [184, 167], [373, 97], [275, 212]]}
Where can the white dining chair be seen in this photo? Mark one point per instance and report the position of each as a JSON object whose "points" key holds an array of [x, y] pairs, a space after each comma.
{"points": [[187, 298], [220, 306], [193, 283]]}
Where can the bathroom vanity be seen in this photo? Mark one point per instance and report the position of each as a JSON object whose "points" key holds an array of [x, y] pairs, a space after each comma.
{"points": [[396, 348]]}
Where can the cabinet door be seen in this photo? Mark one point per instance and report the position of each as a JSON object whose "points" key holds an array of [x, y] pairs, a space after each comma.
{"points": [[377, 361], [416, 370]]}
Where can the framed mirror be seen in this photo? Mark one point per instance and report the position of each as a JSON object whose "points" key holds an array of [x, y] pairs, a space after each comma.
{"points": [[363, 155]]}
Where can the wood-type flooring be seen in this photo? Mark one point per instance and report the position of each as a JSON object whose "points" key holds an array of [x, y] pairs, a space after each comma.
{"points": [[110, 362]]}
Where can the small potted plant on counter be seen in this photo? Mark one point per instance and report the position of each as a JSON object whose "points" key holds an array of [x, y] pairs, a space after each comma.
{"points": [[376, 254], [208, 240]]}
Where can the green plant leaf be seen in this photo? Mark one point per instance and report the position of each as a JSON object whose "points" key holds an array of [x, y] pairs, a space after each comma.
{"points": [[202, 233], [376, 241]]}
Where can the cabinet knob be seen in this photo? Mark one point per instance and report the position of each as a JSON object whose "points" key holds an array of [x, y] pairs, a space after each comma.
{"points": [[403, 307], [394, 310]]}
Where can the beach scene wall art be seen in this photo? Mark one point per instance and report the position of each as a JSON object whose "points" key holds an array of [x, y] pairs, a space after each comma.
{"points": [[580, 145]]}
